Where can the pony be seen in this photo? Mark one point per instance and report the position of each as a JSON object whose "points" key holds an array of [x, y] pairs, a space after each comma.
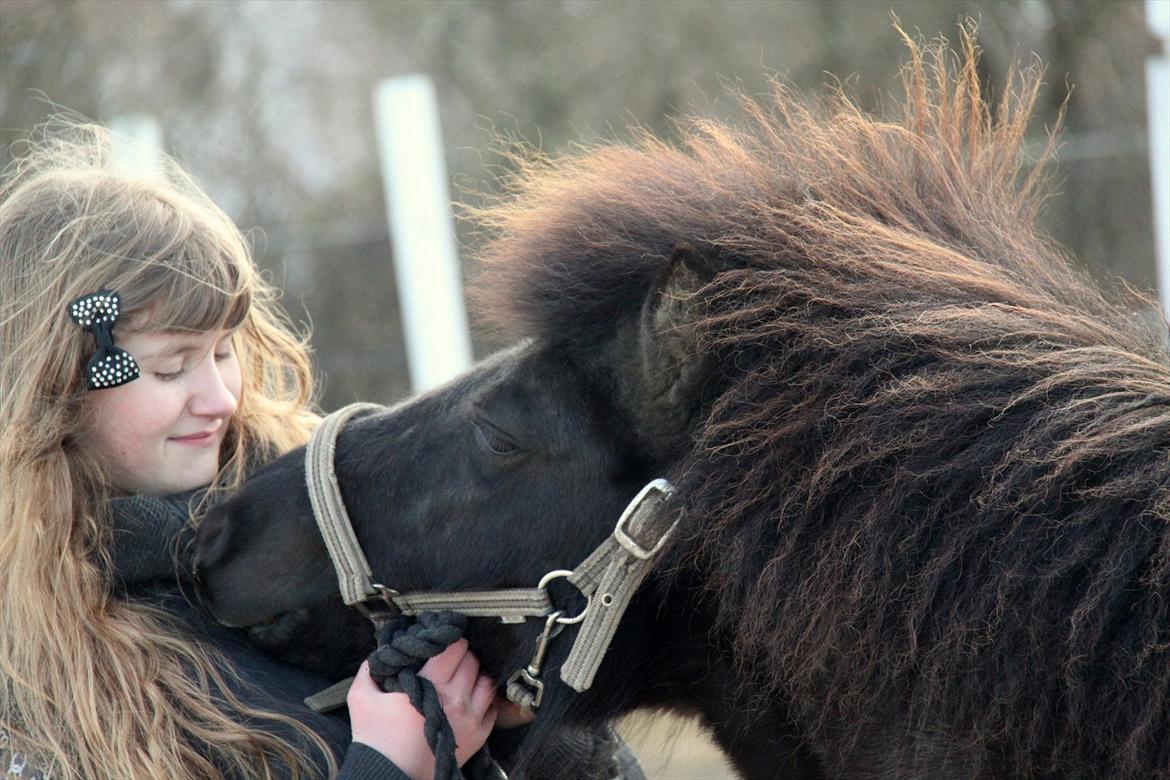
{"points": [[921, 459]]}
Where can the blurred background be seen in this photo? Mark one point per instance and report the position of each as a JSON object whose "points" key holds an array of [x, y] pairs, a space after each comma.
{"points": [[269, 103]]}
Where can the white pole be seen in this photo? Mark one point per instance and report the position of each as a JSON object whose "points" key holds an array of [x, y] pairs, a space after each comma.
{"points": [[426, 266], [1158, 105], [137, 143]]}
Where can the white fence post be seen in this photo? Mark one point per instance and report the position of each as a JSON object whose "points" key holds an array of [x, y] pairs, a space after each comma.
{"points": [[434, 319], [137, 143], [1158, 106]]}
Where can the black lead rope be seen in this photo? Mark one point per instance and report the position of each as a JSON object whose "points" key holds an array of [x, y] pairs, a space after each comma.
{"points": [[403, 647]]}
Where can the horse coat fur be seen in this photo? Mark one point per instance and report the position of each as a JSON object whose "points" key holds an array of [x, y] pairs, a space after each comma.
{"points": [[928, 467]]}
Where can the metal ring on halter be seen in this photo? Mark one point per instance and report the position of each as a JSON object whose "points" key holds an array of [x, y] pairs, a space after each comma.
{"points": [[552, 575], [387, 595]]}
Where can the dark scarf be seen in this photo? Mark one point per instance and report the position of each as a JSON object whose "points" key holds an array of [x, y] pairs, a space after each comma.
{"points": [[148, 539]]}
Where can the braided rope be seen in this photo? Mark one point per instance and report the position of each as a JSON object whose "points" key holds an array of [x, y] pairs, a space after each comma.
{"points": [[403, 647]]}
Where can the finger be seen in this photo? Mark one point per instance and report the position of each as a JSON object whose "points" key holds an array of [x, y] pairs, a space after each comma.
{"points": [[439, 668], [464, 676], [483, 695], [510, 715], [363, 683], [487, 721]]}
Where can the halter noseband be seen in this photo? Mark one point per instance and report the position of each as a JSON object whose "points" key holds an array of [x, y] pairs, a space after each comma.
{"points": [[607, 578]]}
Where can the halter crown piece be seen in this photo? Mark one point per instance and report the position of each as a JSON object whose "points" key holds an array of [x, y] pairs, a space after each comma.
{"points": [[109, 366]]}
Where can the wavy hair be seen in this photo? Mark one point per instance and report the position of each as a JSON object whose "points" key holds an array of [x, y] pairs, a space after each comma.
{"points": [[92, 684]]}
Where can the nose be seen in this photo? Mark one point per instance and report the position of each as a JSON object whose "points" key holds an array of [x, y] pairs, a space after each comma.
{"points": [[215, 394]]}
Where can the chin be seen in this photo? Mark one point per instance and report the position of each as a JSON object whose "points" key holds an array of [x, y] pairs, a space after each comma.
{"points": [[189, 479]]}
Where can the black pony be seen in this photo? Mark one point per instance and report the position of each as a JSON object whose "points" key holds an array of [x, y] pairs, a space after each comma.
{"points": [[923, 463]]}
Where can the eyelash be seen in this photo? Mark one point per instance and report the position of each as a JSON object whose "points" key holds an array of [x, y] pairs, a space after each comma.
{"points": [[493, 442], [170, 376]]}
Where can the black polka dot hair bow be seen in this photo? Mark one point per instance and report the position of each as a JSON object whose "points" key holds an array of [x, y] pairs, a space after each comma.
{"points": [[109, 366]]}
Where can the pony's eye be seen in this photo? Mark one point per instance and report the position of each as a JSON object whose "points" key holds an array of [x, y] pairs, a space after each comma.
{"points": [[493, 440]]}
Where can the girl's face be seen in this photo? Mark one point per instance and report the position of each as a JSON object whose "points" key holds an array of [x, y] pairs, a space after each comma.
{"points": [[160, 433]]}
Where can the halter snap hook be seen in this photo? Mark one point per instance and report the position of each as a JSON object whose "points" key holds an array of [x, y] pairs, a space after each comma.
{"points": [[524, 686]]}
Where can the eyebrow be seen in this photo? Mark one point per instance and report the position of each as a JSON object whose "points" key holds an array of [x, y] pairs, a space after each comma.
{"points": [[166, 352]]}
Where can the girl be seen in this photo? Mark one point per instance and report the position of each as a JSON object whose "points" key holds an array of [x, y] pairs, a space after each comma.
{"points": [[142, 355]]}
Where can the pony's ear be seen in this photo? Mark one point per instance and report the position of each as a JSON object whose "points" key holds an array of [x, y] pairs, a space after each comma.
{"points": [[672, 370]]}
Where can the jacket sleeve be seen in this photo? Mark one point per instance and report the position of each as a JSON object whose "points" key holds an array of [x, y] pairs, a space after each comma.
{"points": [[362, 762]]}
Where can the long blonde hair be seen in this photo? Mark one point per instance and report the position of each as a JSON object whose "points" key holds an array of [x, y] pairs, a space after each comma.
{"points": [[89, 682]]}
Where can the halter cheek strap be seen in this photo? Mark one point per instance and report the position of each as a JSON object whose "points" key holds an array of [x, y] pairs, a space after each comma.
{"points": [[354, 578]]}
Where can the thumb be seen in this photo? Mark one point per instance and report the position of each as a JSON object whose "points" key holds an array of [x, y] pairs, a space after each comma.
{"points": [[363, 682]]}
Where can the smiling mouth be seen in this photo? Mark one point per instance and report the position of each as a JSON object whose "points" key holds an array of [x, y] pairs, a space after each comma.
{"points": [[195, 438]]}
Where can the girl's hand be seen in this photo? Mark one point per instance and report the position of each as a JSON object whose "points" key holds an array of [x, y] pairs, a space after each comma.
{"points": [[510, 715], [389, 723]]}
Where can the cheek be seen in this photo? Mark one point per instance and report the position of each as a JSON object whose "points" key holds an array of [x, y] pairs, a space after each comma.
{"points": [[232, 379], [124, 424]]}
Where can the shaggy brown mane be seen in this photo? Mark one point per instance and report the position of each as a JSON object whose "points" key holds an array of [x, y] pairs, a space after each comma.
{"points": [[937, 471]]}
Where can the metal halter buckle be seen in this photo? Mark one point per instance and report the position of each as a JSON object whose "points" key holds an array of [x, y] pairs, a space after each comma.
{"points": [[628, 542]]}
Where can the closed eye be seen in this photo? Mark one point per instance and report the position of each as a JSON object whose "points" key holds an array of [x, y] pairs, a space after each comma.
{"points": [[494, 440]]}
